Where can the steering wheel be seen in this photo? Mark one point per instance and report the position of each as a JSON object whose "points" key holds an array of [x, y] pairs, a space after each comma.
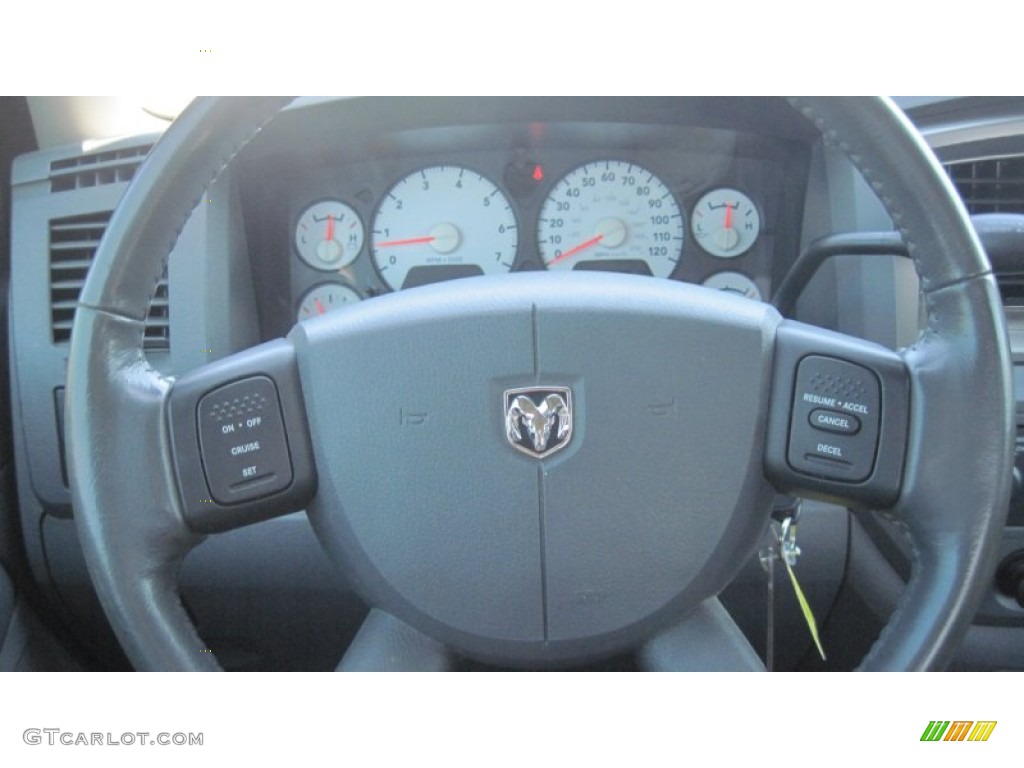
{"points": [[542, 469]]}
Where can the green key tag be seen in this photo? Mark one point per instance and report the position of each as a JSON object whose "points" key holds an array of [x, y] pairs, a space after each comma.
{"points": [[812, 625], [789, 553]]}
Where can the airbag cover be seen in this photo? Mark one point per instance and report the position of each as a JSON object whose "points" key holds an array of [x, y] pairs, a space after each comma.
{"points": [[651, 506]]}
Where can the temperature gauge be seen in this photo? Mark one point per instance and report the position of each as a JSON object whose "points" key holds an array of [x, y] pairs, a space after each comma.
{"points": [[324, 298], [726, 223], [329, 235]]}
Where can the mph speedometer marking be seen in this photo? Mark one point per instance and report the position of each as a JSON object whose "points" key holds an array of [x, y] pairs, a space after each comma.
{"points": [[441, 223], [611, 215]]}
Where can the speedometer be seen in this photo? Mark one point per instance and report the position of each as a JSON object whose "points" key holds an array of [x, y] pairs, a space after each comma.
{"points": [[441, 223], [611, 215]]}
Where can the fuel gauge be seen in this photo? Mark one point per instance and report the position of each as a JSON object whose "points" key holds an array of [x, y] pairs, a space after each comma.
{"points": [[324, 298], [329, 235]]}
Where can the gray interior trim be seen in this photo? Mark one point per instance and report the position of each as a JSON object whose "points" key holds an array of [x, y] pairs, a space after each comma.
{"points": [[6, 603], [707, 640], [386, 644]]}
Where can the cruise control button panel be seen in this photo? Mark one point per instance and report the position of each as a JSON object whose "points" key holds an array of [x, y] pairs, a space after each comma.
{"points": [[827, 437], [242, 441], [834, 419]]}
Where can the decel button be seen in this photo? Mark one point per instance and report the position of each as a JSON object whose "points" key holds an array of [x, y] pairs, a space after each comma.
{"points": [[833, 421]]}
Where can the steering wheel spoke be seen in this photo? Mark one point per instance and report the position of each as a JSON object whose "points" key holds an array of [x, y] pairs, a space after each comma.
{"points": [[387, 644], [837, 424], [705, 640], [240, 439]]}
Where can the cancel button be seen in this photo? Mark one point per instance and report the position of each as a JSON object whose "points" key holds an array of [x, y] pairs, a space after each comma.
{"points": [[834, 421]]}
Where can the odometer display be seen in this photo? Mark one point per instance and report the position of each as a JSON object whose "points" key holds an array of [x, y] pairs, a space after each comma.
{"points": [[611, 215]]}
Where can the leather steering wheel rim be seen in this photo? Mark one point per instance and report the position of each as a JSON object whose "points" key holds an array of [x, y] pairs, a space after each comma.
{"points": [[956, 478]]}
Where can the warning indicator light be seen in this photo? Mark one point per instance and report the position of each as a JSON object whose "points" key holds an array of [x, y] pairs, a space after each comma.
{"points": [[523, 178]]}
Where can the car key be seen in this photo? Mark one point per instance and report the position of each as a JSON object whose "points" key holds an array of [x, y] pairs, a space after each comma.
{"points": [[783, 547], [789, 553]]}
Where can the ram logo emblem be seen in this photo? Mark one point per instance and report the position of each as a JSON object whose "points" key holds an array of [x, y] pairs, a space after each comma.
{"points": [[538, 420]]}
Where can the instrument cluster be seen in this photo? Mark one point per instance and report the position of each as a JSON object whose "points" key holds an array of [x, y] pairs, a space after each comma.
{"points": [[368, 228]]}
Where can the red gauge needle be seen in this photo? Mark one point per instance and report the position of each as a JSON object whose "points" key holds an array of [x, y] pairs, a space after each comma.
{"points": [[728, 216], [319, 306], [330, 227], [573, 251], [407, 241]]}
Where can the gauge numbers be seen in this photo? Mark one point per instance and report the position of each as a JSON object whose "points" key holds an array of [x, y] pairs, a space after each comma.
{"points": [[442, 223], [611, 215]]}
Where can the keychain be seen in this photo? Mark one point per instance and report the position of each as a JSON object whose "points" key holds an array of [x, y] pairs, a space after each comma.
{"points": [[783, 547], [789, 552], [767, 555]]}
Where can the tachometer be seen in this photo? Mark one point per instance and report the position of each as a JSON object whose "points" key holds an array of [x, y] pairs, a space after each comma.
{"points": [[611, 215], [442, 223]]}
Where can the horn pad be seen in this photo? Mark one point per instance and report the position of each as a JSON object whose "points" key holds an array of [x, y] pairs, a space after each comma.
{"points": [[645, 497]]}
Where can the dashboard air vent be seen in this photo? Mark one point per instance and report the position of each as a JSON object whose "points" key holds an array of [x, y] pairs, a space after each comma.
{"points": [[73, 243], [94, 170], [995, 185], [1011, 288], [158, 321]]}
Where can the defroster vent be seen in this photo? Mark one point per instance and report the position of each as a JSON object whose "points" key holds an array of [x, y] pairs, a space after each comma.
{"points": [[112, 167]]}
